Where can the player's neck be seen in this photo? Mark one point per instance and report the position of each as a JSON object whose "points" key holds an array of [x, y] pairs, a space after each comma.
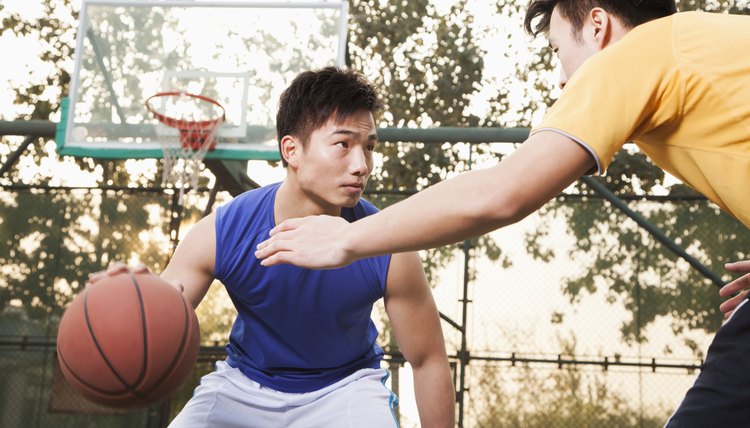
{"points": [[293, 201]]}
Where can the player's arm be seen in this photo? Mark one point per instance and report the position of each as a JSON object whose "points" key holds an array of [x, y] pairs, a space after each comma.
{"points": [[465, 206], [191, 268], [416, 326], [192, 265]]}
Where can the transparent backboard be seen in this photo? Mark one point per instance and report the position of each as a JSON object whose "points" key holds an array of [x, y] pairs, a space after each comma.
{"points": [[241, 54]]}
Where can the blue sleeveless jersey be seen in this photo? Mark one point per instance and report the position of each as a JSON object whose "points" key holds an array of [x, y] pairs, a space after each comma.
{"points": [[297, 330]]}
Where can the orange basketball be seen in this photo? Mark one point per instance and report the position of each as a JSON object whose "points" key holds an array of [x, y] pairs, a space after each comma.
{"points": [[129, 340]]}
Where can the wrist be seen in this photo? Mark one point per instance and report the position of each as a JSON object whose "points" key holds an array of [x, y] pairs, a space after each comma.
{"points": [[349, 242]]}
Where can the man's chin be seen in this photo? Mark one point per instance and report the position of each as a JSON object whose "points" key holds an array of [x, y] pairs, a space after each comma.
{"points": [[350, 202]]}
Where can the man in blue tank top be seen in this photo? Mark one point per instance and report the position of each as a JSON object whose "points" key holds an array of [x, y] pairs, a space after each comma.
{"points": [[302, 351]]}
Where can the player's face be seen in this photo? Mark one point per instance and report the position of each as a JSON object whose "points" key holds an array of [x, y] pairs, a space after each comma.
{"points": [[336, 162], [570, 50]]}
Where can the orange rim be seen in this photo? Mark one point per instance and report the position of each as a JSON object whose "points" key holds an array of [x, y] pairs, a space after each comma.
{"points": [[183, 124]]}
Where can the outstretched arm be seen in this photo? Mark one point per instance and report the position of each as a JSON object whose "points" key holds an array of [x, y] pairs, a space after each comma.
{"points": [[416, 326], [469, 205]]}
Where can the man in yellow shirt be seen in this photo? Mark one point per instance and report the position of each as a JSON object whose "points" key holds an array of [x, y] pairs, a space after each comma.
{"points": [[632, 70]]}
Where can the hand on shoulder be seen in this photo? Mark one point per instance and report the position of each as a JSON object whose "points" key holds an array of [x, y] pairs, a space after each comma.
{"points": [[314, 242]]}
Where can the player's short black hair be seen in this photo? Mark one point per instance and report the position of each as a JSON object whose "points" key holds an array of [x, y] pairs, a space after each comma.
{"points": [[630, 12], [316, 96]]}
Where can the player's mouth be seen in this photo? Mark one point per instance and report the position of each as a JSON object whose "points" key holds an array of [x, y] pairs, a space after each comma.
{"points": [[354, 188]]}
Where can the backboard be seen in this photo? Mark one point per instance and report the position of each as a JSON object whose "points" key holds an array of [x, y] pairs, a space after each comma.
{"points": [[240, 53]]}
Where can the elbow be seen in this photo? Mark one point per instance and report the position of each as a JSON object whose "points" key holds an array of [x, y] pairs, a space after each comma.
{"points": [[429, 356], [502, 208], [429, 362]]}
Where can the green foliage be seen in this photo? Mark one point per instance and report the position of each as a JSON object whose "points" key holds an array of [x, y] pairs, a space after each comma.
{"points": [[569, 397], [731, 6], [427, 67], [53, 31], [53, 240], [437, 69], [629, 263], [216, 315], [632, 266], [117, 54]]}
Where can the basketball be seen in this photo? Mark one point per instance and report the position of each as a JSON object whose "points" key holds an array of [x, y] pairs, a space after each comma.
{"points": [[128, 340]]}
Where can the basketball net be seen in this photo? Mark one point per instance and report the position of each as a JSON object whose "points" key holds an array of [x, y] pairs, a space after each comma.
{"points": [[187, 133]]}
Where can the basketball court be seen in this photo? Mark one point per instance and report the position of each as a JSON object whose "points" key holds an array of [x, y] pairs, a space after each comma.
{"points": [[189, 91]]}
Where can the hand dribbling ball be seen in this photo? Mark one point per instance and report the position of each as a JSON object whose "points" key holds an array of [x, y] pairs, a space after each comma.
{"points": [[129, 340]]}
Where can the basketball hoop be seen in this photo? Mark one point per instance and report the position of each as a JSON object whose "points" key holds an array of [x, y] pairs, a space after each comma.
{"points": [[196, 119]]}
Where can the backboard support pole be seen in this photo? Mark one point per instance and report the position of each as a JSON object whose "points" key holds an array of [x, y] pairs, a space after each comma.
{"points": [[13, 157]]}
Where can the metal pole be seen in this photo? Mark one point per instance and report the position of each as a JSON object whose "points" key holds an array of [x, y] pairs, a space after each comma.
{"points": [[440, 135], [454, 135], [653, 230], [107, 75], [464, 352], [175, 220], [13, 157], [35, 128]]}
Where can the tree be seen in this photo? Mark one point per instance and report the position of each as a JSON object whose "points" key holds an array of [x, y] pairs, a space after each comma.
{"points": [[47, 254], [430, 69], [432, 52], [568, 397], [53, 239], [632, 265], [427, 68]]}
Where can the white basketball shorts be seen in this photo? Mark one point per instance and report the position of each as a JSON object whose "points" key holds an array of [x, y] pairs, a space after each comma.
{"points": [[228, 398]]}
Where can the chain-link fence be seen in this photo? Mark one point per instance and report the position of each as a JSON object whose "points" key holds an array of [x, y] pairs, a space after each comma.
{"points": [[573, 317]]}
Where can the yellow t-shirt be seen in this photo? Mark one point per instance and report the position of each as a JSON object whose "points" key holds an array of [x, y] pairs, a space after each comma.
{"points": [[679, 87]]}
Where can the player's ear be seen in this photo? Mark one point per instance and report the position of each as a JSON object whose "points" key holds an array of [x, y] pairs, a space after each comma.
{"points": [[290, 148], [600, 27]]}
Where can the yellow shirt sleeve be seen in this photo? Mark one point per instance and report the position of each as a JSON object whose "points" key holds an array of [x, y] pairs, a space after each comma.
{"points": [[629, 88]]}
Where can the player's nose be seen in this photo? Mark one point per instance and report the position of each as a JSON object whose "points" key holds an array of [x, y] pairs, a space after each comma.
{"points": [[358, 164]]}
